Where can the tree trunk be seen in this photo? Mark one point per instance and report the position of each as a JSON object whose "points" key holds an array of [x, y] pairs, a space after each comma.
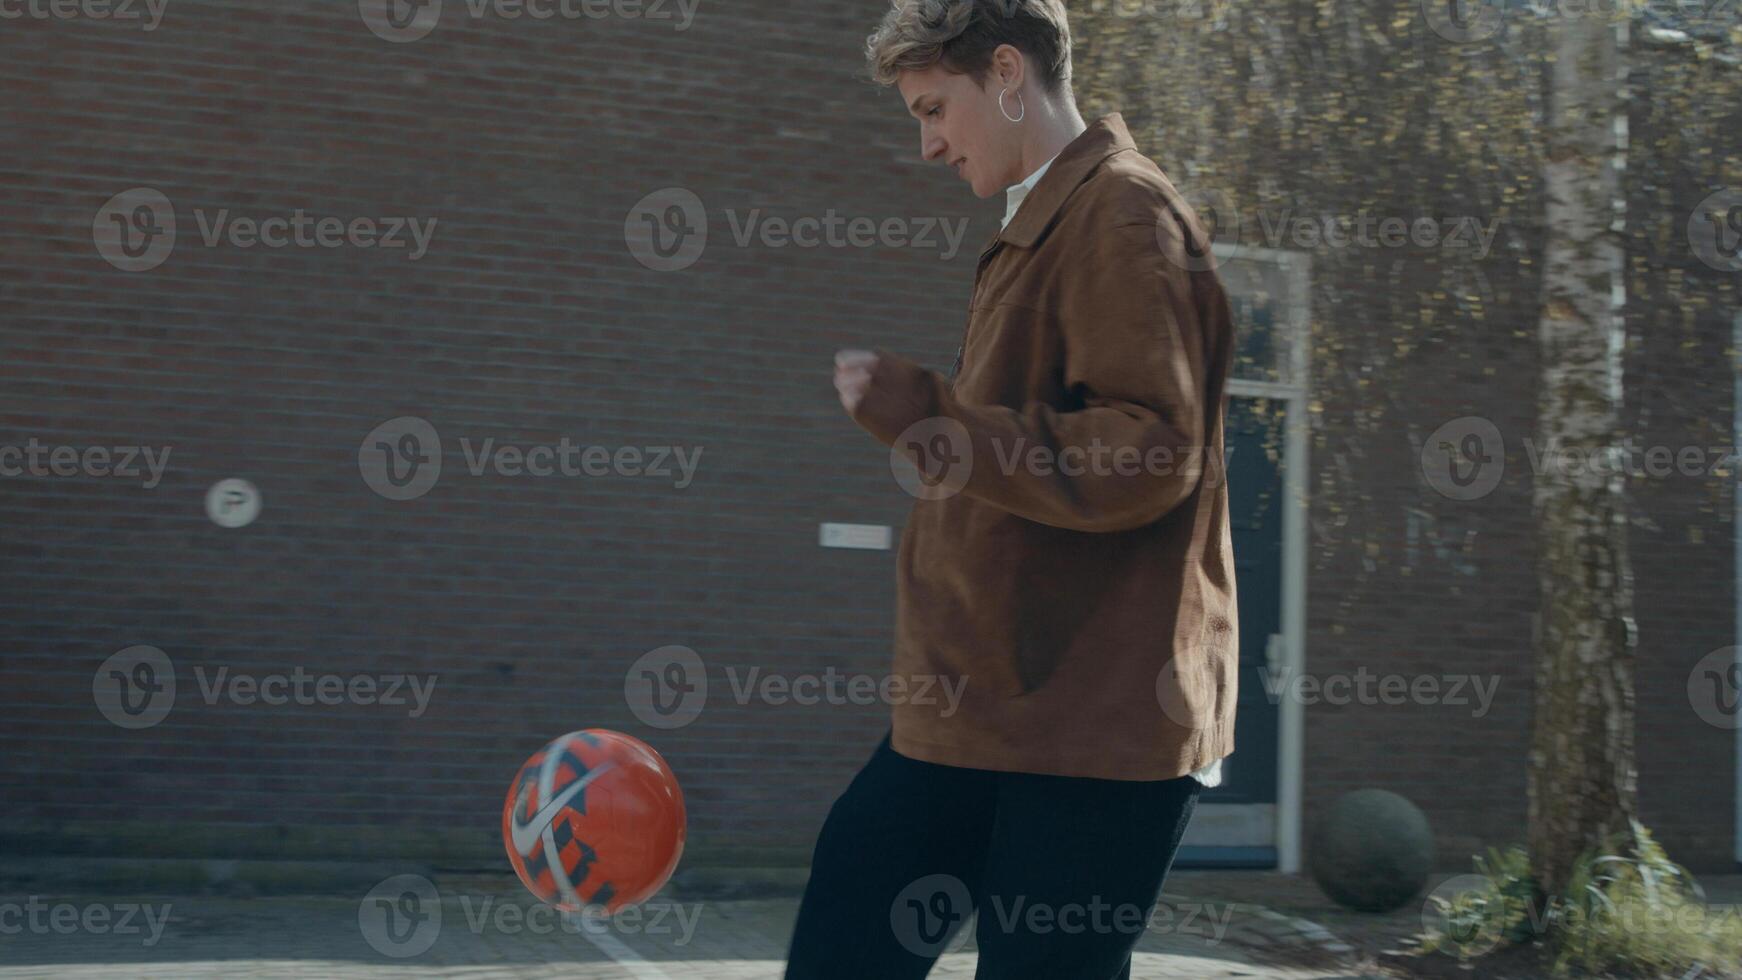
{"points": [[1582, 775]]}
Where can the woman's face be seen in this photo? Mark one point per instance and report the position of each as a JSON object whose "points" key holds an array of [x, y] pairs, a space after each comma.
{"points": [[961, 126]]}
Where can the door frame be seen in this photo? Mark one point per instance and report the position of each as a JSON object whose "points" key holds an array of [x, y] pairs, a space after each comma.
{"points": [[1296, 326], [1736, 574]]}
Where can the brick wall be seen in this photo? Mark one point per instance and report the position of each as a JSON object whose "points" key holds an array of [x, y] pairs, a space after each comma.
{"points": [[530, 320]]}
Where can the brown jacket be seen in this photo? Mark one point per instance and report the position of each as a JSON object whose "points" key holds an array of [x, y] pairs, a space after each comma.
{"points": [[1068, 569]]}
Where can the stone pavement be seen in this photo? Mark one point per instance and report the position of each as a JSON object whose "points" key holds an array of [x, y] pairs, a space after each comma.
{"points": [[480, 928]]}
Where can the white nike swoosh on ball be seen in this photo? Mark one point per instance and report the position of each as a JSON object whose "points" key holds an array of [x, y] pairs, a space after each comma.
{"points": [[524, 835]]}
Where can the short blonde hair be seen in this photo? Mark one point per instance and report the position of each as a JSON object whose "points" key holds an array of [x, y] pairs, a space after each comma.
{"points": [[962, 34]]}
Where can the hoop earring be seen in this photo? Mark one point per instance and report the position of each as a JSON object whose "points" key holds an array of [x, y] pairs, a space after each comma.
{"points": [[1021, 108]]}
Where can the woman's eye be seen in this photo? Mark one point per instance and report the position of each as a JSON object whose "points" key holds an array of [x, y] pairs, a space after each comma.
{"points": [[932, 111]]}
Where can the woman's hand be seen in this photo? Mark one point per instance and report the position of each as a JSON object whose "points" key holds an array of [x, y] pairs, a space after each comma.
{"points": [[853, 370]]}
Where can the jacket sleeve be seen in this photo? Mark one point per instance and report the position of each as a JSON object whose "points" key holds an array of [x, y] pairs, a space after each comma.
{"points": [[1133, 356]]}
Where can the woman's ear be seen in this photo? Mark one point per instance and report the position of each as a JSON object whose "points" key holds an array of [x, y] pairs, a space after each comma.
{"points": [[1008, 66]]}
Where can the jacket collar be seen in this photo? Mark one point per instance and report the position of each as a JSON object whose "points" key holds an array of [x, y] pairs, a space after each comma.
{"points": [[1103, 138]]}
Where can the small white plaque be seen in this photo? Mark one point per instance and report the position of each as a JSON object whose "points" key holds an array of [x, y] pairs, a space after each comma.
{"points": [[871, 537]]}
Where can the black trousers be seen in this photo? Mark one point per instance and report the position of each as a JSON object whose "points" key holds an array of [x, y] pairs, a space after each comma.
{"points": [[1063, 872]]}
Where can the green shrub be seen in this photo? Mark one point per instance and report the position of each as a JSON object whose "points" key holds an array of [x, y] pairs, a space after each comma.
{"points": [[1629, 910]]}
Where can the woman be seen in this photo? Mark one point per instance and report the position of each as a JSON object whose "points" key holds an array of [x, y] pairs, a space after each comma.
{"points": [[1068, 565]]}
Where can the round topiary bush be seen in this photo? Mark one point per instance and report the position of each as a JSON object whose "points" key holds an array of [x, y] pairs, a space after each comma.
{"points": [[1372, 850]]}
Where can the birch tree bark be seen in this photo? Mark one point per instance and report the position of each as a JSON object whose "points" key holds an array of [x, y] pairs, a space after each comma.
{"points": [[1582, 783]]}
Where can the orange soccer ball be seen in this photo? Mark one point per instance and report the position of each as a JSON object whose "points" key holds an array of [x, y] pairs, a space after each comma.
{"points": [[594, 822]]}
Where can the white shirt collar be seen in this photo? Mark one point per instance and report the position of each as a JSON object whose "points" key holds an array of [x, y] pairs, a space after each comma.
{"points": [[1015, 194]]}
